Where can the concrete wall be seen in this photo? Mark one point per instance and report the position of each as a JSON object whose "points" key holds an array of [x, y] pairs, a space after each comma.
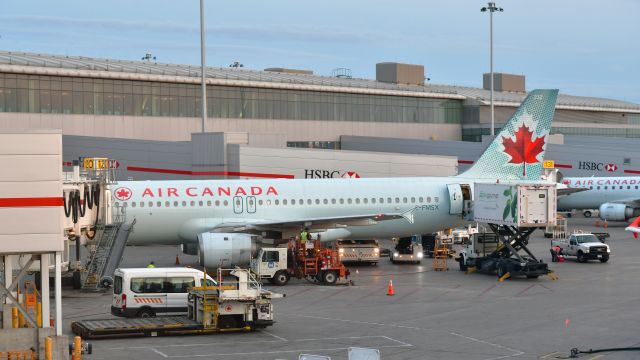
{"points": [[180, 129], [313, 163], [31, 192], [579, 156]]}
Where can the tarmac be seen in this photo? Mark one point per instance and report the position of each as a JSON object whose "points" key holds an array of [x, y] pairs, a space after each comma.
{"points": [[433, 314]]}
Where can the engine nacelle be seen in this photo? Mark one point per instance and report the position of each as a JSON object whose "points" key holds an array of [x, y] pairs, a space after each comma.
{"points": [[224, 250], [615, 212]]}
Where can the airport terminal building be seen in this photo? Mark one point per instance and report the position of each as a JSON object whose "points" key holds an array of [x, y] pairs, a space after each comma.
{"points": [[147, 116]]}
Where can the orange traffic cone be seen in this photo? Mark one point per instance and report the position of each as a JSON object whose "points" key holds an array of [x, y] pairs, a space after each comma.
{"points": [[605, 224], [390, 287], [177, 260]]}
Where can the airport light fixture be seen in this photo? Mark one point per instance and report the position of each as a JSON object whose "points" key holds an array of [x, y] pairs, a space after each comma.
{"points": [[491, 8]]}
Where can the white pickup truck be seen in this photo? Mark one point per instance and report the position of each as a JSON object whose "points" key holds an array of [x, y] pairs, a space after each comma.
{"points": [[585, 246]]}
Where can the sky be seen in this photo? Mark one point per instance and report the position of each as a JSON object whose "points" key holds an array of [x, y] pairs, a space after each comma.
{"points": [[582, 47]]}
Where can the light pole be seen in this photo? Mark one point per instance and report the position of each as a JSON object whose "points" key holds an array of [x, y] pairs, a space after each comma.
{"points": [[491, 8], [202, 62]]}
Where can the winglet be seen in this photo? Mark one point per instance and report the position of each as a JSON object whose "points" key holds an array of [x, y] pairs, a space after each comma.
{"points": [[409, 215], [634, 227]]}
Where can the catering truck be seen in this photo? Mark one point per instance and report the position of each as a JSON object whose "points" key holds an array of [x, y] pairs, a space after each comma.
{"points": [[513, 212]]}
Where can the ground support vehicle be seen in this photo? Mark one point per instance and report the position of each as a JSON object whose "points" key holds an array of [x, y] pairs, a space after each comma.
{"points": [[407, 250], [320, 264], [359, 251], [212, 309], [584, 246], [502, 252]]}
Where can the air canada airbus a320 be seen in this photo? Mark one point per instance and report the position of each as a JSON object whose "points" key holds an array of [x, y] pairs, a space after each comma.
{"points": [[222, 220]]}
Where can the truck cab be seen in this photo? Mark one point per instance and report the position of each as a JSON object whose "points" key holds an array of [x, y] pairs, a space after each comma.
{"points": [[584, 246], [407, 249], [271, 264]]}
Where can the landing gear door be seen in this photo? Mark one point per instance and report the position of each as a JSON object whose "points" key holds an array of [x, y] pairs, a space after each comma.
{"points": [[455, 199]]}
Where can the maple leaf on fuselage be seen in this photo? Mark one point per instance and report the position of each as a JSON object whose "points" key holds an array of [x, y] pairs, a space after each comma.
{"points": [[524, 149]]}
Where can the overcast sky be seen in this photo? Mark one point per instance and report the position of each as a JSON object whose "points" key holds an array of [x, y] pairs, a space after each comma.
{"points": [[582, 47]]}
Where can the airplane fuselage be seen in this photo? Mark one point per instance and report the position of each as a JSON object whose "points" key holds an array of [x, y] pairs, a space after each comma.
{"points": [[173, 212], [600, 190]]}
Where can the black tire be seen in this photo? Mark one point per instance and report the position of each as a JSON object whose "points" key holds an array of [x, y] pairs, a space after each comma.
{"points": [[604, 259], [227, 322], [146, 313], [532, 276], [330, 277], [281, 278], [418, 262], [375, 263], [581, 258], [587, 214], [463, 266]]}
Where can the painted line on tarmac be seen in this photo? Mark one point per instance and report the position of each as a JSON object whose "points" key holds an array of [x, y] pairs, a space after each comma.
{"points": [[488, 289], [406, 295], [159, 353], [274, 335], [515, 352], [300, 292], [277, 352], [550, 355], [446, 292], [525, 290]]}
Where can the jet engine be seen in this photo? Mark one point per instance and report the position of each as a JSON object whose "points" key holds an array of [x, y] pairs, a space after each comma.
{"points": [[223, 250], [617, 212]]}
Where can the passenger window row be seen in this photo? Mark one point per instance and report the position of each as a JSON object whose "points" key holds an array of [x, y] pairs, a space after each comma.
{"points": [[613, 187], [277, 202]]}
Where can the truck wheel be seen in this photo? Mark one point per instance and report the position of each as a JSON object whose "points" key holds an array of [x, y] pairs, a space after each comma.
{"points": [[330, 277], [227, 322], [581, 258], [587, 213], [604, 259], [146, 313], [532, 276], [281, 278]]}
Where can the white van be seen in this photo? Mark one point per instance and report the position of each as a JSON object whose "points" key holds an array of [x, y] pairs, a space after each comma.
{"points": [[145, 292]]}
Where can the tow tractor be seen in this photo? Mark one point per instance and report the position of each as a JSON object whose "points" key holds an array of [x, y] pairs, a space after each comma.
{"points": [[407, 249], [513, 212], [320, 264], [237, 303]]}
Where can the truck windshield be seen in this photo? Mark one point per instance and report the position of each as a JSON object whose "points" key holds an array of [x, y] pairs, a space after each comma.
{"points": [[589, 238]]}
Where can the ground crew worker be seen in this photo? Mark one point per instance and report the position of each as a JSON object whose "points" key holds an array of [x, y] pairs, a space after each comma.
{"points": [[303, 238], [309, 245], [151, 265]]}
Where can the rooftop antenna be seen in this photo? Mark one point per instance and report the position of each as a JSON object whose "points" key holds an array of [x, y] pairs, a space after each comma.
{"points": [[236, 64]]}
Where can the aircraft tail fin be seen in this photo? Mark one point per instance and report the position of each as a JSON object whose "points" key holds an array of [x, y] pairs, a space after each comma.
{"points": [[517, 152], [634, 227]]}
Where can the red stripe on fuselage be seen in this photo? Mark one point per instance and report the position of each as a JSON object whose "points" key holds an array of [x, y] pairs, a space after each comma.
{"points": [[209, 173]]}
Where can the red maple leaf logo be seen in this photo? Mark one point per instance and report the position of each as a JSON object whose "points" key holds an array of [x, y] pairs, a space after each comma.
{"points": [[524, 149], [122, 194]]}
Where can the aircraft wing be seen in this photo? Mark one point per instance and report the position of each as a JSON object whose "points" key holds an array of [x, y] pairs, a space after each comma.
{"points": [[312, 223]]}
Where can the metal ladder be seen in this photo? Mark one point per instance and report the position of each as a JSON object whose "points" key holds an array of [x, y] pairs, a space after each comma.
{"points": [[106, 234]]}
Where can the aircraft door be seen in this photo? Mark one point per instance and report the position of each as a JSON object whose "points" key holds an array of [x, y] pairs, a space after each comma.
{"points": [[237, 204], [455, 199], [251, 204]]}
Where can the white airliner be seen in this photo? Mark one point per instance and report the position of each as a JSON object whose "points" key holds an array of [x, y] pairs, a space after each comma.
{"points": [[221, 219], [617, 198]]}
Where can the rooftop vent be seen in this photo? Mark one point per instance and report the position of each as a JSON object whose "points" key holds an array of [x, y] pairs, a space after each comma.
{"points": [[504, 82], [396, 73], [343, 73]]}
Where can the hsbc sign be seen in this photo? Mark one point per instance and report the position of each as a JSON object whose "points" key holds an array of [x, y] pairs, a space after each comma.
{"points": [[597, 166], [328, 174]]}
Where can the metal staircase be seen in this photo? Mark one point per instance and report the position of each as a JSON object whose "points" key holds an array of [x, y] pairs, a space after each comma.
{"points": [[103, 249], [99, 254]]}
